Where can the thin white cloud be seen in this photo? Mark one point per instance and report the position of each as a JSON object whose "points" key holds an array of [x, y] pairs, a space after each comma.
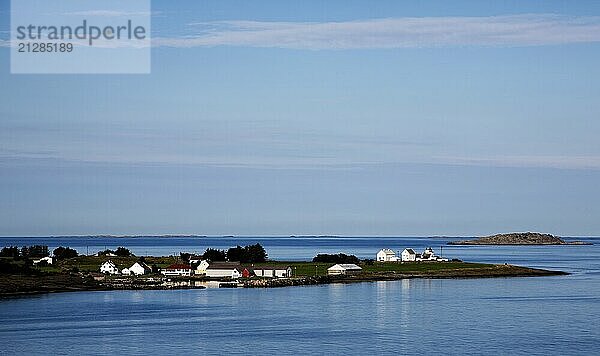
{"points": [[406, 32], [558, 162]]}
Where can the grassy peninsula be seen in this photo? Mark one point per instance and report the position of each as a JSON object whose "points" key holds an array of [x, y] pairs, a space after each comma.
{"points": [[81, 274]]}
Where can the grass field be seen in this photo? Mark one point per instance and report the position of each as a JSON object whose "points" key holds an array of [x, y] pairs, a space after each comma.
{"points": [[312, 268]]}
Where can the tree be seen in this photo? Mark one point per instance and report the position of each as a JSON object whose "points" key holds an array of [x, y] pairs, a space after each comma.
{"points": [[62, 253], [185, 256], [247, 254], [236, 254], [212, 254], [336, 258], [34, 251], [12, 251], [106, 252], [123, 252], [256, 253]]}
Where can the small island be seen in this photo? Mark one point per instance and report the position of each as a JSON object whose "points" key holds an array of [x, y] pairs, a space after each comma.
{"points": [[519, 238], [30, 270]]}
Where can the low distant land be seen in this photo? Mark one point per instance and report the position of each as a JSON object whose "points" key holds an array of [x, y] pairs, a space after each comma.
{"points": [[519, 238]]}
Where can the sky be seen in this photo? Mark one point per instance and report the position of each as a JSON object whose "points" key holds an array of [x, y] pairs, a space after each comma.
{"points": [[358, 118]]}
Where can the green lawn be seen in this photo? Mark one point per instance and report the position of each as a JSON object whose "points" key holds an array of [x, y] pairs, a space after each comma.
{"points": [[419, 266]]}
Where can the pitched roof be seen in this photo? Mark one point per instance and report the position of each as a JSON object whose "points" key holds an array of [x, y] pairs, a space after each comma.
{"points": [[223, 265], [141, 264], [387, 251], [410, 250], [346, 266]]}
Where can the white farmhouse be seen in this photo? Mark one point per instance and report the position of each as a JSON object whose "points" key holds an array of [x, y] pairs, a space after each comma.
{"points": [[409, 255], [109, 267], [343, 269], [138, 269], [386, 255]]}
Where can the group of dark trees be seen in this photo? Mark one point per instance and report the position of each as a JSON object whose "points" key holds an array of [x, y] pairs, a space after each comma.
{"points": [[212, 254], [247, 254], [62, 253], [119, 252], [336, 258], [35, 251]]}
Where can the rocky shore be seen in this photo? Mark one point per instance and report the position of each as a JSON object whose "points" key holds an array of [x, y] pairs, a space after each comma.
{"points": [[493, 271], [520, 238]]}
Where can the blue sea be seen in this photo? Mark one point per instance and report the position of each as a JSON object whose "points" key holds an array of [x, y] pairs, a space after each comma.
{"points": [[528, 315]]}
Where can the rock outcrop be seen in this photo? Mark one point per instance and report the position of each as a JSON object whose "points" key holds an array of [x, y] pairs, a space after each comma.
{"points": [[518, 238]]}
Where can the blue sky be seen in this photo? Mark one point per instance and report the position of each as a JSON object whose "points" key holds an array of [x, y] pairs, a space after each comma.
{"points": [[313, 117]]}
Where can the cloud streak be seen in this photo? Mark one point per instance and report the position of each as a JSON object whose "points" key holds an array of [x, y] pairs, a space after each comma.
{"points": [[406, 32]]}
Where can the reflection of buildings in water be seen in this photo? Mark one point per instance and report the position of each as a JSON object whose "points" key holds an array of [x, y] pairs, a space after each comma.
{"points": [[137, 296], [405, 303], [339, 295], [381, 288]]}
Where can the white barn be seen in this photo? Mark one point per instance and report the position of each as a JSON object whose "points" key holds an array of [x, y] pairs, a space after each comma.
{"points": [[109, 267], [231, 270], [343, 269]]}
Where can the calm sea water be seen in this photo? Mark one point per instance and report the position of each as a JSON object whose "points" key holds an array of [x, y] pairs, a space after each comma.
{"points": [[541, 315]]}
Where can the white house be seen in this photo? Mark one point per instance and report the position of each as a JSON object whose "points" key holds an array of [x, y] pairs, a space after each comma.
{"points": [[201, 269], [231, 270], [386, 255], [343, 269], [273, 272], [409, 255], [140, 268], [137, 269], [48, 260], [177, 269], [109, 267]]}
